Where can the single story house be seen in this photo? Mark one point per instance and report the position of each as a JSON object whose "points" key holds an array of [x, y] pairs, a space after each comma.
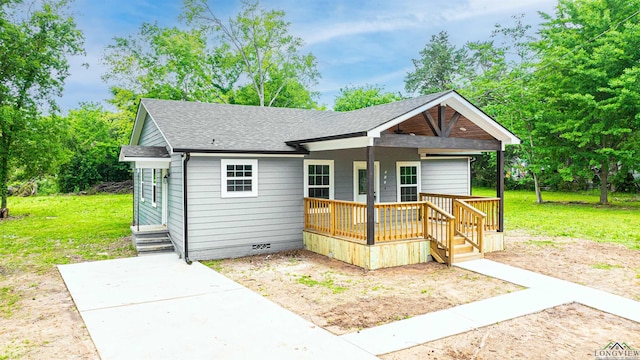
{"points": [[381, 186]]}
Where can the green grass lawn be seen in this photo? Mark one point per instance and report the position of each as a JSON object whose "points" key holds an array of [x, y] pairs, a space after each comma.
{"points": [[574, 215], [49, 230]]}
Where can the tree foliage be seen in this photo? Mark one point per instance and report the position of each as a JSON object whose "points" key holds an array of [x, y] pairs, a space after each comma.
{"points": [[588, 76], [94, 137], [251, 60], [35, 41], [260, 44], [169, 63], [441, 67], [352, 97]]}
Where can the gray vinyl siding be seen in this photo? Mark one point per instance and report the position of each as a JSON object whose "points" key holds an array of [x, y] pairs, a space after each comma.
{"points": [[149, 215], [343, 169], [446, 176], [230, 227], [175, 207], [150, 135]]}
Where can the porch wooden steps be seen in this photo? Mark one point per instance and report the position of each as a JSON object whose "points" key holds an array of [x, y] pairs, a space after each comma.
{"points": [[462, 251], [151, 240]]}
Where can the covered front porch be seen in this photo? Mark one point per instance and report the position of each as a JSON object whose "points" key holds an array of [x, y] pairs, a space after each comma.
{"points": [[449, 228]]}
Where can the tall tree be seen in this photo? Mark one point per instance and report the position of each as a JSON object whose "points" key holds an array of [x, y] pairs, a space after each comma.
{"points": [[169, 63], [259, 41], [352, 97], [501, 82], [441, 67], [35, 42], [588, 75]]}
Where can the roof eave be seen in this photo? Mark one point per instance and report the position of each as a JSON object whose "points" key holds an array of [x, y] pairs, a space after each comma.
{"points": [[326, 138], [298, 151]]}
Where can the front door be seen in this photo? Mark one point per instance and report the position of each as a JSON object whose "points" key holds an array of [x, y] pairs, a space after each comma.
{"points": [[360, 188], [360, 181]]}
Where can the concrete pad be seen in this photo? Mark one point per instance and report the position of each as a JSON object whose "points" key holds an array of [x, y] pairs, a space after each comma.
{"points": [[407, 333], [100, 284], [158, 307]]}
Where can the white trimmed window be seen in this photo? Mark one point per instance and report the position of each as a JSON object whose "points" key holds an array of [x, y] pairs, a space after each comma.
{"points": [[408, 180], [239, 178], [141, 171], [154, 187], [318, 179]]}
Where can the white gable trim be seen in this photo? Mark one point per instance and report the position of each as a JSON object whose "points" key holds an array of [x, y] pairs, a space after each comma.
{"points": [[462, 106], [141, 117]]}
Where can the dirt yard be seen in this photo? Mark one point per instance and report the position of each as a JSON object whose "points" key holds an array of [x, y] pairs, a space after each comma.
{"points": [[341, 298]]}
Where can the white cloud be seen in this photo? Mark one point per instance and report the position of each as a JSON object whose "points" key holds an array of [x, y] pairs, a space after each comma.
{"points": [[343, 29]]}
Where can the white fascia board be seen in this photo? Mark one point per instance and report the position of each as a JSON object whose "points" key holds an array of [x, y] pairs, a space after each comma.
{"points": [[339, 144], [138, 124], [246, 155], [141, 163]]}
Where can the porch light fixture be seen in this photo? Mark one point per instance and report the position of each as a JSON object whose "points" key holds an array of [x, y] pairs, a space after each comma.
{"points": [[463, 129]]}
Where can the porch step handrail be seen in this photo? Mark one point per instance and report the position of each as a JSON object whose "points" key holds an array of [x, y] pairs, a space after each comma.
{"points": [[440, 228], [488, 205], [469, 223]]}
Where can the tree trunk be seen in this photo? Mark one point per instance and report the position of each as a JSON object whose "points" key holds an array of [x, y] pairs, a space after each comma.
{"points": [[4, 179], [538, 190], [604, 182]]}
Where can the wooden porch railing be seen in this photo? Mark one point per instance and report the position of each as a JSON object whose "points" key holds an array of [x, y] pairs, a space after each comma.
{"points": [[402, 221], [488, 205], [394, 221]]}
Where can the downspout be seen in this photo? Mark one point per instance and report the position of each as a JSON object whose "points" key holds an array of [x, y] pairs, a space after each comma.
{"points": [[137, 200], [185, 224]]}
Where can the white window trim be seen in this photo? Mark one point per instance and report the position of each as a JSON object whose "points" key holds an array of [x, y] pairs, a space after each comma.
{"points": [[254, 178], [141, 185], [306, 175], [154, 188], [418, 173]]}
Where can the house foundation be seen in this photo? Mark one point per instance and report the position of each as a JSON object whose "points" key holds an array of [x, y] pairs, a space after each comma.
{"points": [[370, 257]]}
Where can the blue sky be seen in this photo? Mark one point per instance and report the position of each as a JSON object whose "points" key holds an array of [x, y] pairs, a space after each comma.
{"points": [[356, 42]]}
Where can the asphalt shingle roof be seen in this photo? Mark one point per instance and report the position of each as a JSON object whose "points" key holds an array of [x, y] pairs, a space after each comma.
{"points": [[194, 126], [144, 151]]}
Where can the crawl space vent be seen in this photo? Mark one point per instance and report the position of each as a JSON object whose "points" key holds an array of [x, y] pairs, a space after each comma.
{"points": [[260, 246]]}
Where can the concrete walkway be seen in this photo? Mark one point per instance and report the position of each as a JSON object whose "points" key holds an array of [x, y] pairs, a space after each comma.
{"points": [[542, 292], [158, 307]]}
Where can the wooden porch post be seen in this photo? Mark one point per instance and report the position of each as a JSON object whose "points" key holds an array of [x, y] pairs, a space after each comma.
{"points": [[371, 218], [500, 186]]}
